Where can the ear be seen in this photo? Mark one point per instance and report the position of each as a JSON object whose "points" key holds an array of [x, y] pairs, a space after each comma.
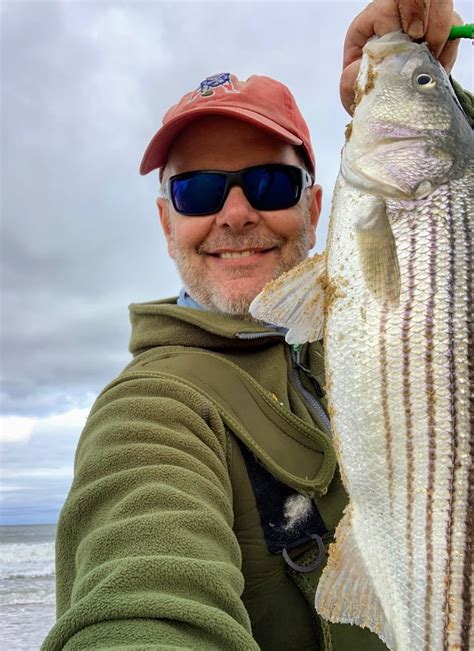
{"points": [[314, 211], [165, 219]]}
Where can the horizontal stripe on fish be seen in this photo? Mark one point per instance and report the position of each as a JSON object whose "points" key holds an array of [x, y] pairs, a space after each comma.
{"points": [[454, 424], [431, 421], [407, 400], [467, 634], [384, 387]]}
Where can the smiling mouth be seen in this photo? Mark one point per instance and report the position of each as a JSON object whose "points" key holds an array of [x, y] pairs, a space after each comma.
{"points": [[233, 255], [237, 255]]}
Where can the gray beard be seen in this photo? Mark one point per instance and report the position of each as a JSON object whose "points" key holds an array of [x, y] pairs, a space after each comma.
{"points": [[238, 306]]}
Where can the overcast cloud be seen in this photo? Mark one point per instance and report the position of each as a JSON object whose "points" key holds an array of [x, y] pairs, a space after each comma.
{"points": [[84, 86]]}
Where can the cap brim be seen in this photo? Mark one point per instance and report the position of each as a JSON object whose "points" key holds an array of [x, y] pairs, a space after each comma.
{"points": [[156, 154]]}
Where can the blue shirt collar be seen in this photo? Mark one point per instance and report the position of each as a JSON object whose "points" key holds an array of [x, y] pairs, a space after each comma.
{"points": [[185, 300]]}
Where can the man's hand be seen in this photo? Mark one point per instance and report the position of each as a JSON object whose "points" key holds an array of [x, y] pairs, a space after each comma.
{"points": [[427, 20]]}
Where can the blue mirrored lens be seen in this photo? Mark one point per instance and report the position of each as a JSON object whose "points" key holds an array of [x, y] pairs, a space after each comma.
{"points": [[269, 188], [199, 194]]}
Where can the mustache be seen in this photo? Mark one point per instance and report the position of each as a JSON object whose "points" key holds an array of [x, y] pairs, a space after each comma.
{"points": [[241, 242]]}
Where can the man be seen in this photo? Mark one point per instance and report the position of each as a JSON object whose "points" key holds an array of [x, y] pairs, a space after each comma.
{"points": [[205, 485]]}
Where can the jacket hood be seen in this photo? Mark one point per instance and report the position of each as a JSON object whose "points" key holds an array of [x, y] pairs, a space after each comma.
{"points": [[163, 323]]}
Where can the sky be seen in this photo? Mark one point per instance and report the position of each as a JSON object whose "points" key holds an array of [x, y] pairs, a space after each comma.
{"points": [[84, 86]]}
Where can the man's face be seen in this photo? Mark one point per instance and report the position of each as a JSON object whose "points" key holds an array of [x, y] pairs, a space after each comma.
{"points": [[225, 259]]}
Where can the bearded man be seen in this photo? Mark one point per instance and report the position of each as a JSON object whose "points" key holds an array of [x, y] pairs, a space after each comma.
{"points": [[206, 489]]}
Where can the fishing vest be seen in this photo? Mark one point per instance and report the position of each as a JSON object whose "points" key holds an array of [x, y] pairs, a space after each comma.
{"points": [[284, 458]]}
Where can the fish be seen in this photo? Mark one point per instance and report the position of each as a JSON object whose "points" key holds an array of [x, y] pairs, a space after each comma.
{"points": [[392, 299]]}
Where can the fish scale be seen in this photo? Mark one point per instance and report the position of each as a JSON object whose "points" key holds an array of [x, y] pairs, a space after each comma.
{"points": [[413, 515], [393, 297]]}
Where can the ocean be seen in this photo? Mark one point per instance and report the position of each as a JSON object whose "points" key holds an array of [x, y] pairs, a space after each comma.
{"points": [[27, 599]]}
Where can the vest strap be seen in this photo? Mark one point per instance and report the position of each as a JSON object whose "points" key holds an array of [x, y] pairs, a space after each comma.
{"points": [[295, 452]]}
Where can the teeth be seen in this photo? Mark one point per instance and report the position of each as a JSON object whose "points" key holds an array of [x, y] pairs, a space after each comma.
{"points": [[235, 254]]}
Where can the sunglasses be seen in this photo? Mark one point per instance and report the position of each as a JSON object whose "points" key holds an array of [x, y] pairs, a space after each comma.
{"points": [[266, 187]]}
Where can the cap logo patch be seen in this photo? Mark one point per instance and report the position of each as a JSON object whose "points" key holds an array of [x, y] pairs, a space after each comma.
{"points": [[208, 87]]}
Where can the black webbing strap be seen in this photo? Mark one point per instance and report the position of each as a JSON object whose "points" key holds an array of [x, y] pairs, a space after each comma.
{"points": [[288, 518]]}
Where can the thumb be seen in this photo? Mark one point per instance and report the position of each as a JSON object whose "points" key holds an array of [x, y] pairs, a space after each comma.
{"points": [[347, 83]]}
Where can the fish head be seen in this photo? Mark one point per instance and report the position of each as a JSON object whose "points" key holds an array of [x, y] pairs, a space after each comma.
{"points": [[409, 134]]}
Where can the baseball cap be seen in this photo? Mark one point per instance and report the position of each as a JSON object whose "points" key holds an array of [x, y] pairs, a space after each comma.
{"points": [[259, 100]]}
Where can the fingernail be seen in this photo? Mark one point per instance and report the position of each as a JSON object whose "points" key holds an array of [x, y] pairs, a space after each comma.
{"points": [[416, 29]]}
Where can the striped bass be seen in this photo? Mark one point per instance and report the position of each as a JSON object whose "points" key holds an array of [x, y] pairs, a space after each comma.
{"points": [[393, 297]]}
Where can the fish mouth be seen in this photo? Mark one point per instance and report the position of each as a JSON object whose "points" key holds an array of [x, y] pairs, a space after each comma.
{"points": [[392, 50]]}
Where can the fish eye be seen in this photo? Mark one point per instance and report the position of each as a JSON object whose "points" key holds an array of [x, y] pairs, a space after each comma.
{"points": [[425, 80]]}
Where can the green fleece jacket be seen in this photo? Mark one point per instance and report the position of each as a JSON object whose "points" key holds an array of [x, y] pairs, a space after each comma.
{"points": [[160, 543]]}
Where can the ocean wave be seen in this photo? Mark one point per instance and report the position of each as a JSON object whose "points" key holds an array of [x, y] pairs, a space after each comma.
{"points": [[21, 552], [44, 597], [26, 561], [47, 573]]}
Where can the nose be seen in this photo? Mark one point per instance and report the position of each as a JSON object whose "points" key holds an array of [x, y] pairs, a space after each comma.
{"points": [[237, 212]]}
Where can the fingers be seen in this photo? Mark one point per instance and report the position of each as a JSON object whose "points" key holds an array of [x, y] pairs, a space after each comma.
{"points": [[347, 83], [379, 17], [440, 18], [427, 20], [449, 52], [431, 21], [414, 16]]}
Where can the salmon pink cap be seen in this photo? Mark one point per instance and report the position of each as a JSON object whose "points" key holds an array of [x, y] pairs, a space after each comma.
{"points": [[259, 100]]}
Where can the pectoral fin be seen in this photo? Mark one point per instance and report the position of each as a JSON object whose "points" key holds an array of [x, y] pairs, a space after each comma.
{"points": [[295, 300], [346, 593], [378, 255]]}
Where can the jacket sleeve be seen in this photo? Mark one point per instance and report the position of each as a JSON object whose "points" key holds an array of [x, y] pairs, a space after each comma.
{"points": [[145, 554], [466, 99]]}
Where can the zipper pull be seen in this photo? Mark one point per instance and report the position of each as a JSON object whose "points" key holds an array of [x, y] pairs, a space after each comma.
{"points": [[296, 355]]}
